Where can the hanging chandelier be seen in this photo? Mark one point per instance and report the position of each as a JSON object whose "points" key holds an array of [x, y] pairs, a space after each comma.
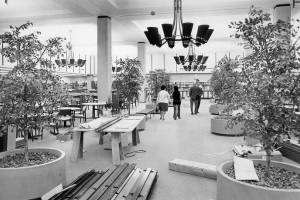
{"points": [[70, 61], [185, 30], [194, 62]]}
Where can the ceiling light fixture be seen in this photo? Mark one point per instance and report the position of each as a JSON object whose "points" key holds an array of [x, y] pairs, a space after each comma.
{"points": [[194, 62], [70, 62], [185, 30]]}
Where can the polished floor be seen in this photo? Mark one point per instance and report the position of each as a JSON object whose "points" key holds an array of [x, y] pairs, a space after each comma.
{"points": [[188, 138]]}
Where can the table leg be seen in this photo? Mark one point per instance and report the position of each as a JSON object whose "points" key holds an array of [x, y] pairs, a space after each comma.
{"points": [[101, 137], [115, 148], [121, 147], [93, 112], [75, 146], [137, 136], [80, 152], [134, 137]]}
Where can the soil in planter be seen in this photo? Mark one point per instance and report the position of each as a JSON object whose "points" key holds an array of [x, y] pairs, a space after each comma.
{"points": [[18, 160], [279, 178]]}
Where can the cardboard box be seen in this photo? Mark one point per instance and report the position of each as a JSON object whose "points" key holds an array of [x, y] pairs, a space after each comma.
{"points": [[276, 155], [194, 168]]}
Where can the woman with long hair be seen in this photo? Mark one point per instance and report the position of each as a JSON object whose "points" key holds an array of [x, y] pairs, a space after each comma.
{"points": [[176, 102]]}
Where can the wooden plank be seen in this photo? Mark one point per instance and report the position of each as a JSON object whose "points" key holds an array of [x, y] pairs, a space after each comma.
{"points": [[118, 182], [148, 185], [104, 177], [126, 181], [116, 174], [125, 191], [87, 186], [112, 190], [105, 186], [139, 186]]}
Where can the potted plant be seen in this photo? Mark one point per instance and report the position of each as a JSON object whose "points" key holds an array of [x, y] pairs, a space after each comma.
{"points": [[30, 94], [156, 79], [225, 84], [129, 81], [269, 82]]}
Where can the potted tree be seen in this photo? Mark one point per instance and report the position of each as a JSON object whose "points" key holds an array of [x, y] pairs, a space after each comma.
{"points": [[129, 81], [269, 82], [30, 93], [225, 84], [156, 79]]}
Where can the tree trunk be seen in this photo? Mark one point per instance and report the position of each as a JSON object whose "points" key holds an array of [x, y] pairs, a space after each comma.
{"points": [[26, 145], [268, 160], [129, 107]]}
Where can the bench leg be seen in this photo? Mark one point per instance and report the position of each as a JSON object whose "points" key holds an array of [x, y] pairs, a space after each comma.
{"points": [[135, 137]]}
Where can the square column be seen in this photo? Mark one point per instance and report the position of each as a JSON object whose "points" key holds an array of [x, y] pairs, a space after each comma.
{"points": [[104, 58], [142, 58]]}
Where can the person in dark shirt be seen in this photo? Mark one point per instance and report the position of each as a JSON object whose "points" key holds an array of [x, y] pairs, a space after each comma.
{"points": [[176, 103], [194, 90]]}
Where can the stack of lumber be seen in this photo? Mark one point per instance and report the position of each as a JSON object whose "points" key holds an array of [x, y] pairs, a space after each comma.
{"points": [[289, 150], [117, 183], [20, 142]]}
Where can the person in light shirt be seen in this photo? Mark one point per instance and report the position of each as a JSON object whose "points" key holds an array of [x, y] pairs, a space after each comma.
{"points": [[163, 100]]}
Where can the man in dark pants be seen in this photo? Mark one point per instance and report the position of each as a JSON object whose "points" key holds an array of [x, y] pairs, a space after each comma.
{"points": [[198, 97], [194, 90]]}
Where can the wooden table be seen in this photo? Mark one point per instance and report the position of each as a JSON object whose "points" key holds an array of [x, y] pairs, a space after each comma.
{"points": [[129, 124], [100, 103]]}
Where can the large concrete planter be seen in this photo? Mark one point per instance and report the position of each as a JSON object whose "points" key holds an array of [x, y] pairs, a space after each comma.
{"points": [[231, 189], [219, 123], [214, 108], [32, 182]]}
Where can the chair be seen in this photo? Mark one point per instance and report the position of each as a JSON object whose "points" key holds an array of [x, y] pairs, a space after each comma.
{"points": [[66, 115], [81, 115]]}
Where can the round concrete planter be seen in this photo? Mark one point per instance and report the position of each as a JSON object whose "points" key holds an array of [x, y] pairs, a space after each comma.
{"points": [[214, 108], [218, 126], [35, 181], [231, 189]]}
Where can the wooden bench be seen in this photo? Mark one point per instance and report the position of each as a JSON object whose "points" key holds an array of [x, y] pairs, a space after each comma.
{"points": [[146, 112], [117, 183]]}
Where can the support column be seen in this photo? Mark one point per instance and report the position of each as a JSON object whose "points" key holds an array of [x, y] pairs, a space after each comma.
{"points": [[142, 58], [89, 80], [104, 58], [282, 12]]}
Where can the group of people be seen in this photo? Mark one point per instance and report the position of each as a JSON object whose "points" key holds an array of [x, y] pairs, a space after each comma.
{"points": [[163, 100]]}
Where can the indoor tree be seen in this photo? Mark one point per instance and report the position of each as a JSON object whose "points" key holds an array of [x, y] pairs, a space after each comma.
{"points": [[224, 82], [269, 78], [157, 78], [30, 92], [129, 81]]}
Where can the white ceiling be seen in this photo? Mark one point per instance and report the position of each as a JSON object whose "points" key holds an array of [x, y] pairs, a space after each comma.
{"points": [[130, 18]]}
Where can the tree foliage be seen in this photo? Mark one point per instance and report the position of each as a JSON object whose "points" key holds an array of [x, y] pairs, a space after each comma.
{"points": [[129, 81], [157, 78], [224, 82], [30, 92], [269, 78]]}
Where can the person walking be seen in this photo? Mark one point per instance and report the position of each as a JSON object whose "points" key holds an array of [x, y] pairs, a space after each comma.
{"points": [[176, 102], [163, 100], [194, 90], [198, 97]]}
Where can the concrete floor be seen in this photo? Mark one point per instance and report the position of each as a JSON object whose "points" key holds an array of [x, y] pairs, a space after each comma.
{"points": [[188, 138]]}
